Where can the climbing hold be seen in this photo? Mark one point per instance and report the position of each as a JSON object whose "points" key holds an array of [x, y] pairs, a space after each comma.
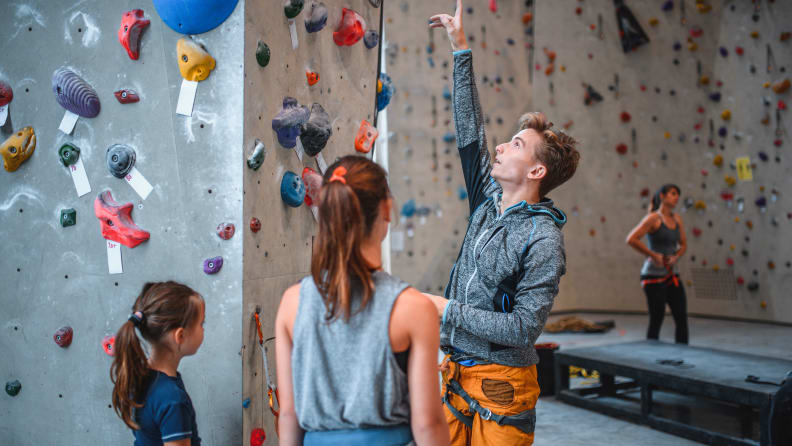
{"points": [[13, 387], [292, 8], [781, 105], [292, 189], [621, 149], [74, 94], [761, 202], [317, 17], [754, 34], [262, 54], [730, 261], [591, 96], [63, 337], [730, 180], [366, 136], [653, 21], [312, 77], [644, 192], [462, 193], [194, 16], [493, 5], [6, 93], [704, 80], [313, 185], [195, 63], [132, 25], [753, 285], [724, 52], [212, 265], [703, 7], [108, 343], [526, 18], [288, 121], [18, 148], [727, 196], [408, 209], [722, 132], [385, 91], [257, 437], [68, 217], [316, 131], [715, 97], [763, 156], [630, 31], [255, 224], [781, 86], [449, 137], [625, 117], [718, 160], [699, 205], [696, 232], [120, 159], [350, 29], [726, 114], [225, 230], [246, 403], [370, 38], [126, 96], [116, 221], [668, 5], [256, 158], [375, 3], [446, 93]]}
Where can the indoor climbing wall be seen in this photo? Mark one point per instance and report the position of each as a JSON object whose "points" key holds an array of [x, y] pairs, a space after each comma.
{"points": [[56, 272], [426, 177], [702, 104], [284, 60]]}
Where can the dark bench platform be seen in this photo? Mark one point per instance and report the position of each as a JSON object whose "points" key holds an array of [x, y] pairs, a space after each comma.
{"points": [[714, 374]]}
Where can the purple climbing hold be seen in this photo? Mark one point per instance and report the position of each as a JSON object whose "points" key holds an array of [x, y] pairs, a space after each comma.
{"points": [[761, 202], [668, 5], [677, 46], [763, 156], [212, 265], [722, 132], [715, 97], [74, 94], [317, 17], [288, 121], [370, 38], [723, 51], [316, 131]]}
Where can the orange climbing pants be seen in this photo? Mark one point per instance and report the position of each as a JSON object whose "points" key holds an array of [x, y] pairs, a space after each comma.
{"points": [[505, 391]]}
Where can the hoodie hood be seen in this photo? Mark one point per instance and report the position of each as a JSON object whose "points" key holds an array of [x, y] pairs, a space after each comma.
{"points": [[545, 206]]}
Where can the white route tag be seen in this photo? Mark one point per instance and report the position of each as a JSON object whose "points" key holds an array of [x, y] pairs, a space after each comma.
{"points": [[68, 122], [3, 114], [397, 240], [315, 212], [321, 163], [293, 32], [138, 183], [114, 257], [186, 97], [80, 178]]}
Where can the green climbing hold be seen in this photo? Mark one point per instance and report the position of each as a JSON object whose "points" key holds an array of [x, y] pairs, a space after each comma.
{"points": [[68, 217], [292, 8], [262, 54], [13, 387], [69, 154]]}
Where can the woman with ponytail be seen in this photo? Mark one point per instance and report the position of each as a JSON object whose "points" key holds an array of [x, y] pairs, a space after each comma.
{"points": [[356, 348], [659, 276], [148, 393]]}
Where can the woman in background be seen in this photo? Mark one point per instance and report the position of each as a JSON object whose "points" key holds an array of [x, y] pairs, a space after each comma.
{"points": [[659, 276]]}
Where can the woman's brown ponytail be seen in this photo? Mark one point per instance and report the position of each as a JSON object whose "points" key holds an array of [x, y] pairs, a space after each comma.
{"points": [[352, 191]]}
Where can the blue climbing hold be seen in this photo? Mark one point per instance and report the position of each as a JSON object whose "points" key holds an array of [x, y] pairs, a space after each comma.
{"points": [[408, 209], [462, 193], [246, 403], [446, 93], [292, 189], [449, 137], [194, 16], [385, 91]]}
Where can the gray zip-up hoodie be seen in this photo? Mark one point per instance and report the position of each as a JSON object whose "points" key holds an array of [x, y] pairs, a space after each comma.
{"points": [[525, 242]]}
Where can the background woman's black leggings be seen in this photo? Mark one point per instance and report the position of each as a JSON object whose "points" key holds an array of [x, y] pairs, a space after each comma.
{"points": [[657, 295]]}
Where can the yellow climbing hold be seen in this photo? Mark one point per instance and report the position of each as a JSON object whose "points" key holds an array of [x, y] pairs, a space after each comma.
{"points": [[755, 34], [763, 304], [730, 180], [691, 45], [715, 268], [667, 135], [653, 21], [766, 85], [704, 80], [700, 205], [732, 247], [703, 7], [736, 219], [718, 160], [726, 114]]}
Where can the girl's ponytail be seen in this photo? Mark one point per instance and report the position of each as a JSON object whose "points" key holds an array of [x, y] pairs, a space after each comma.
{"points": [[128, 373]]}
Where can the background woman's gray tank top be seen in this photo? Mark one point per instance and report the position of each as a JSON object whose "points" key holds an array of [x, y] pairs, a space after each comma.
{"points": [[344, 374], [664, 241]]}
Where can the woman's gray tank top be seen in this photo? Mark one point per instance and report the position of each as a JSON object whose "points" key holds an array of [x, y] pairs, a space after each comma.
{"points": [[345, 375], [664, 241]]}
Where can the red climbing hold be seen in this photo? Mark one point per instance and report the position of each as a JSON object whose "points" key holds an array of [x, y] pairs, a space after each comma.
{"points": [[730, 261], [116, 221], [740, 280], [621, 148], [312, 76], [225, 230], [108, 343], [727, 196], [625, 117], [313, 185], [781, 105], [257, 437], [255, 224], [127, 96], [63, 337], [132, 25], [739, 50], [645, 192], [778, 142], [578, 10], [697, 232], [493, 5], [351, 28]]}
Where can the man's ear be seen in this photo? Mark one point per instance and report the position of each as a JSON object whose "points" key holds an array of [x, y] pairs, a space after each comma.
{"points": [[537, 171]]}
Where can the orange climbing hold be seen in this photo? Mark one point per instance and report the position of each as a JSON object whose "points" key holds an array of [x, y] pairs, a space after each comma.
{"points": [[730, 180], [781, 86], [726, 114], [526, 18], [653, 21], [312, 76], [366, 136]]}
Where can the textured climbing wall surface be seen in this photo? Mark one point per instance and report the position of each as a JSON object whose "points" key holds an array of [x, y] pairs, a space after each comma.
{"points": [[670, 106], [279, 254], [426, 177], [54, 276]]}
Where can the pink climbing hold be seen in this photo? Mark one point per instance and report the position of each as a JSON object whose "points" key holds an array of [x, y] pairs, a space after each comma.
{"points": [[108, 343], [493, 5]]}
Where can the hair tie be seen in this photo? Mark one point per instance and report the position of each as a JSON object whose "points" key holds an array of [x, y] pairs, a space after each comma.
{"points": [[338, 175], [136, 318]]}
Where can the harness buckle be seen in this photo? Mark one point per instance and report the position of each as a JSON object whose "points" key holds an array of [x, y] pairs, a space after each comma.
{"points": [[487, 414]]}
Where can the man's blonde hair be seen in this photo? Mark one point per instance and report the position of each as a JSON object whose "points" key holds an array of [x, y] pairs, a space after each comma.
{"points": [[557, 151]]}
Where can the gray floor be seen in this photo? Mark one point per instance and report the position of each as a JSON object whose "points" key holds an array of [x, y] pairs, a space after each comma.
{"points": [[561, 424]]}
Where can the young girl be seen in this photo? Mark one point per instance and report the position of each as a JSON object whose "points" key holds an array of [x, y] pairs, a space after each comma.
{"points": [[149, 394], [356, 348], [659, 277]]}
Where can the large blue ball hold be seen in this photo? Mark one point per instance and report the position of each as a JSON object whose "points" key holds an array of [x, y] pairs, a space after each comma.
{"points": [[292, 189], [194, 16]]}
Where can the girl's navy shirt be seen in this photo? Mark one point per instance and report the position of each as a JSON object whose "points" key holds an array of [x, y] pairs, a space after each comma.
{"points": [[167, 413]]}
